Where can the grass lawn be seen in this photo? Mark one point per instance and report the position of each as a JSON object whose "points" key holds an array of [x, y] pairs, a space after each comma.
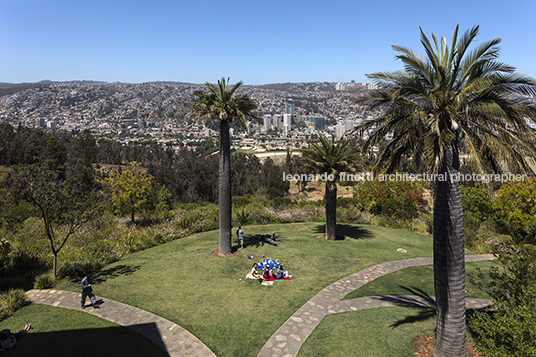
{"points": [[66, 333], [419, 279], [209, 296], [183, 282], [366, 333]]}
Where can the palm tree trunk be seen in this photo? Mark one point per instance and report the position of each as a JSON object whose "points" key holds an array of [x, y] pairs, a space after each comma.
{"points": [[449, 260], [331, 211], [225, 189]]}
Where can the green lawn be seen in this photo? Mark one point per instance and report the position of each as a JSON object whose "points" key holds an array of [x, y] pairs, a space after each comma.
{"points": [[66, 333], [366, 333], [183, 282], [419, 280]]}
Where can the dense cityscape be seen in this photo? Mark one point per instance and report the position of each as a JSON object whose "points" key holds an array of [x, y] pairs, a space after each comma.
{"points": [[289, 113]]}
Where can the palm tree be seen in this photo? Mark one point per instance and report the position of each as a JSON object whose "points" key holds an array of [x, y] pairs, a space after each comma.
{"points": [[453, 98], [329, 158], [221, 102]]}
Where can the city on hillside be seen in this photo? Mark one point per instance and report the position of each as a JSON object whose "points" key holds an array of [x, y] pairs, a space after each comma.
{"points": [[288, 113]]}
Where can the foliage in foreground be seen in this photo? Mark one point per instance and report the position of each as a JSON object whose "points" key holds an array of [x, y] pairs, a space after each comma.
{"points": [[11, 301], [511, 329]]}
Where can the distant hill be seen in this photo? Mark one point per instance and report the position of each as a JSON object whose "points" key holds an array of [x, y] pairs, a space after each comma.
{"points": [[159, 101], [9, 88]]}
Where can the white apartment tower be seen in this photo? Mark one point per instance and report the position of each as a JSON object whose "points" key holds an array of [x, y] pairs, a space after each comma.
{"points": [[276, 122], [267, 121]]}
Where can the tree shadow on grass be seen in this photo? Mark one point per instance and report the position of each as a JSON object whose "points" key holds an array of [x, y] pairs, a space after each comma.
{"points": [[423, 303], [102, 342], [114, 272], [250, 241], [346, 231]]}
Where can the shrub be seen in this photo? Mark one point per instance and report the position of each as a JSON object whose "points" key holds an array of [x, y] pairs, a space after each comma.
{"points": [[241, 201], [348, 215], [397, 199], [511, 329], [281, 202], [44, 281], [516, 203], [242, 217], [11, 301], [476, 201], [346, 202]]}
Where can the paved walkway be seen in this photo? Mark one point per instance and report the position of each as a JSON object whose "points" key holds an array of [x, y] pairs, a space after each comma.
{"points": [[168, 335], [287, 340]]}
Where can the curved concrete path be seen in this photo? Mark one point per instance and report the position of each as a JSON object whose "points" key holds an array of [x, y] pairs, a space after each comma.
{"points": [[171, 337], [287, 340]]}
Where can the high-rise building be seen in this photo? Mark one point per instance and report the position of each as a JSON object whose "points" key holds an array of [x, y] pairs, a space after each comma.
{"points": [[287, 119], [340, 129], [267, 121], [276, 122], [289, 109]]}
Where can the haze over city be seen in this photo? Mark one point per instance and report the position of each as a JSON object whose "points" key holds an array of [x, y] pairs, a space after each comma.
{"points": [[255, 41]]}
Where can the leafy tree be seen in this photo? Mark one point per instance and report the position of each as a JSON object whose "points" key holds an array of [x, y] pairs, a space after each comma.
{"points": [[223, 104], [245, 170], [400, 199], [131, 189], [516, 203], [83, 148], [64, 199], [330, 158], [275, 185], [452, 97]]}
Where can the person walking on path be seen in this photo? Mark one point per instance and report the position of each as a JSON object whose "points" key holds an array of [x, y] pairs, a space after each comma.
{"points": [[87, 291], [240, 234]]}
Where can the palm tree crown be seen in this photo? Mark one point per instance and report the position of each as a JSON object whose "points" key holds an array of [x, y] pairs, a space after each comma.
{"points": [[455, 94], [451, 99], [221, 102]]}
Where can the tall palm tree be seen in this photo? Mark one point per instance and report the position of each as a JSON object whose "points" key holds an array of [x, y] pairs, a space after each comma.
{"points": [[453, 98], [222, 103], [330, 159]]}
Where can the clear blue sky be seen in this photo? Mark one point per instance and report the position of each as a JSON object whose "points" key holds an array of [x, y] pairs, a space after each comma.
{"points": [[257, 41]]}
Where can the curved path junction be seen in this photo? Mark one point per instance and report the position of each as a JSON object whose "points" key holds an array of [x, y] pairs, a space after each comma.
{"points": [[287, 340]]}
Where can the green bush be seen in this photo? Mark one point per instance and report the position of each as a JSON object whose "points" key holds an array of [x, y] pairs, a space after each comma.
{"points": [[11, 301], [241, 201], [348, 215], [397, 199], [241, 217], [281, 202], [44, 281], [78, 269], [511, 329], [477, 201], [346, 202], [516, 204]]}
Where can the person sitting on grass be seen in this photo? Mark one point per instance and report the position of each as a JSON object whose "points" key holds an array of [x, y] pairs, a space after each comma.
{"points": [[267, 273], [253, 273], [8, 339], [282, 274]]}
